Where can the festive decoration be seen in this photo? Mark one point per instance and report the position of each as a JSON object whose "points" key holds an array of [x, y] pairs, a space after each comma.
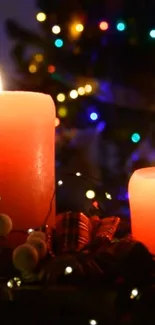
{"points": [[27, 128], [5, 224], [73, 232], [91, 173], [25, 258], [141, 198]]}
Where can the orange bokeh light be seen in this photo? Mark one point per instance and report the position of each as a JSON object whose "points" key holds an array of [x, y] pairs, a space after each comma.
{"points": [[51, 68], [103, 25]]}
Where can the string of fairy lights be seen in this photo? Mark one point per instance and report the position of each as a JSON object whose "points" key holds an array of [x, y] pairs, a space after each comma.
{"points": [[77, 27], [85, 89]]}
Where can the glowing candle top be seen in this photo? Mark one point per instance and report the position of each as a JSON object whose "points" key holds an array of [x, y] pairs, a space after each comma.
{"points": [[1, 87]]}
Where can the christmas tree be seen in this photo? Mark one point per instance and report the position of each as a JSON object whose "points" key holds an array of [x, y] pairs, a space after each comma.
{"points": [[85, 56]]}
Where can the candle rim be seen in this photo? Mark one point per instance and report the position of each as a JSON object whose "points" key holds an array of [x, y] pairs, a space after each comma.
{"points": [[147, 173], [21, 92]]}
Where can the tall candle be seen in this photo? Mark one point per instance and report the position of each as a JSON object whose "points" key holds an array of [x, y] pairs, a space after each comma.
{"points": [[142, 206], [27, 169]]}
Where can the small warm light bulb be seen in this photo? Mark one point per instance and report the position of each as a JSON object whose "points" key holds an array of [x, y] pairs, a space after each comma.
{"points": [[39, 57], [90, 194], [81, 91], [108, 196], [62, 112], [41, 16], [103, 25], [88, 88], [60, 98], [79, 28], [10, 284], [73, 94], [78, 174], [134, 293], [56, 29], [60, 182], [93, 322], [32, 68], [30, 231], [68, 270], [18, 281]]}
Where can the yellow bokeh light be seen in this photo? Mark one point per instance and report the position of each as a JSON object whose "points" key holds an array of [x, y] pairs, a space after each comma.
{"points": [[39, 57], [60, 98], [90, 194], [81, 91], [41, 16], [79, 28], [62, 112], [32, 68], [88, 88], [56, 29], [73, 94]]}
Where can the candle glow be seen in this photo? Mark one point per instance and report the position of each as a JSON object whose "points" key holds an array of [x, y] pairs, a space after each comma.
{"points": [[27, 171], [142, 206], [1, 86]]}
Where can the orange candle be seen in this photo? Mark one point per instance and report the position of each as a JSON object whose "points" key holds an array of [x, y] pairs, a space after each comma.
{"points": [[142, 206], [27, 161]]}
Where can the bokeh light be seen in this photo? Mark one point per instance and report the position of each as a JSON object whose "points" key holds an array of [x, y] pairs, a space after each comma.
{"points": [[68, 270], [121, 26], [51, 68], [79, 28], [58, 42], [41, 16], [81, 91], [62, 112], [56, 29], [32, 68], [73, 94], [39, 57], [60, 98], [92, 322], [103, 25], [90, 194], [93, 116], [78, 174], [135, 137], [60, 182], [88, 88], [152, 33]]}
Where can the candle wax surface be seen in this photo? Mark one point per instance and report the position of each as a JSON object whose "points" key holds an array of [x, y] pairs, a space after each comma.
{"points": [[27, 171], [142, 206]]}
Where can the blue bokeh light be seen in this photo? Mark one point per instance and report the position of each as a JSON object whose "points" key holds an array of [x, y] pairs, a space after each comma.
{"points": [[58, 42], [93, 116], [152, 33], [135, 137], [101, 126], [120, 26]]}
